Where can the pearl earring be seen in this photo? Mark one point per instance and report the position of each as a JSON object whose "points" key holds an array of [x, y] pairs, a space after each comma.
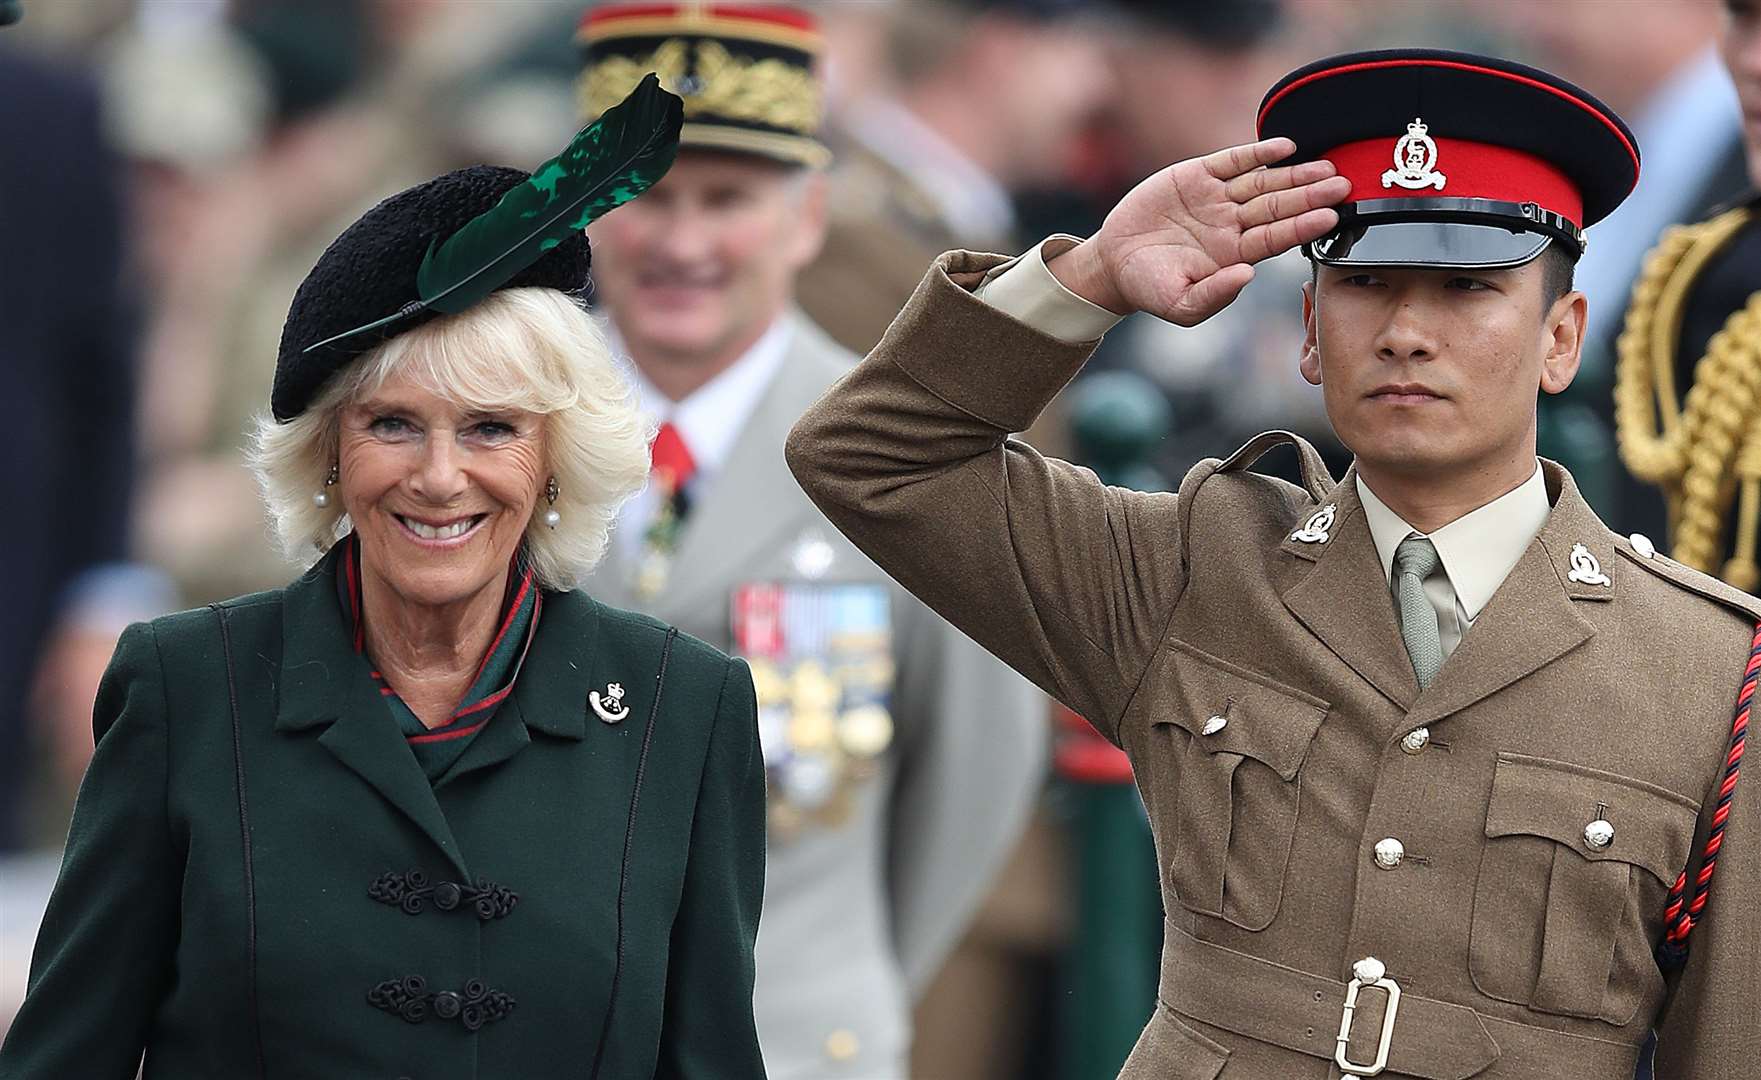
{"points": [[551, 517], [321, 497]]}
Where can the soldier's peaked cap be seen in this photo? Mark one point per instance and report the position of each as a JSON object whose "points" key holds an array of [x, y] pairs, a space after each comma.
{"points": [[1455, 159]]}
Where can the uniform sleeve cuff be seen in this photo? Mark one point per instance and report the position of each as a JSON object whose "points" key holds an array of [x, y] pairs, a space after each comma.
{"points": [[1024, 289]]}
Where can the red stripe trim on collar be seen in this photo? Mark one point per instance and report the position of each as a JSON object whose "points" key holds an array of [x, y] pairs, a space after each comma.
{"points": [[489, 702], [443, 736], [507, 621]]}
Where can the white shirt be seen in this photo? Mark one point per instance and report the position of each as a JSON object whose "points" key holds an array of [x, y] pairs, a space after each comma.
{"points": [[709, 420], [1477, 549]]}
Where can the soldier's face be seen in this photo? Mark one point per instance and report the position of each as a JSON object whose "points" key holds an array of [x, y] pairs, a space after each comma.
{"points": [[696, 269], [1431, 372], [1740, 43]]}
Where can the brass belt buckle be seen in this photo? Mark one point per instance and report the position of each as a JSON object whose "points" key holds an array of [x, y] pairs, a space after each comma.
{"points": [[1368, 972]]}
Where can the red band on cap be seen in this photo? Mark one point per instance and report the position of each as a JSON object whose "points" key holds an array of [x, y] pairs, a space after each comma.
{"points": [[1470, 170], [1260, 121], [773, 14]]}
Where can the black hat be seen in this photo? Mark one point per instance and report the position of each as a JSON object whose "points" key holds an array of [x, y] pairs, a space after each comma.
{"points": [[370, 271], [1456, 160], [443, 246], [745, 71]]}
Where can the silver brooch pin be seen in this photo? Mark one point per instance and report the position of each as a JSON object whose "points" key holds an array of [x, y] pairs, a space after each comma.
{"points": [[1318, 528], [1584, 567], [610, 707], [1415, 161]]}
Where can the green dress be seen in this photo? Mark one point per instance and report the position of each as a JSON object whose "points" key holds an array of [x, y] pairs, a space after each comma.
{"points": [[262, 881]]}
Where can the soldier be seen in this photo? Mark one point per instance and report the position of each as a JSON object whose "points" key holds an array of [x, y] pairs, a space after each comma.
{"points": [[1430, 755], [891, 801], [1691, 355]]}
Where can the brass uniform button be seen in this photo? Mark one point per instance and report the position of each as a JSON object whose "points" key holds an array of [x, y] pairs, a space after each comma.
{"points": [[1389, 853], [1599, 834], [1214, 725], [1416, 740]]}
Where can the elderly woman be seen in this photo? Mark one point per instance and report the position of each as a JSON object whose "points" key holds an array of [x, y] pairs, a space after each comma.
{"points": [[428, 811]]}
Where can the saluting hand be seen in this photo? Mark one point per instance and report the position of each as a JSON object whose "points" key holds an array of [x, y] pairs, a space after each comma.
{"points": [[1182, 243]]}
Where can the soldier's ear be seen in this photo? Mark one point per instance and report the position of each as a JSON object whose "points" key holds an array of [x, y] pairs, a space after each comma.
{"points": [[1310, 363], [1563, 327]]}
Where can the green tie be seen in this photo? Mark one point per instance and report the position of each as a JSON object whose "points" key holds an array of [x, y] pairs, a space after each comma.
{"points": [[1414, 560]]}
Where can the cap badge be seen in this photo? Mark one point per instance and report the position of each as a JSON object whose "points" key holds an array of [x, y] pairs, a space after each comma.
{"points": [[1318, 527], [1415, 161], [1584, 567]]}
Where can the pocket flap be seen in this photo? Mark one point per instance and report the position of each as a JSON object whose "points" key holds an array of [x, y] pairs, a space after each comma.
{"points": [[1653, 827], [1263, 720]]}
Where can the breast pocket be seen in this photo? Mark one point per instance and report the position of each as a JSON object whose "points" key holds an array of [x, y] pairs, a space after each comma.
{"points": [[1569, 900], [1227, 793]]}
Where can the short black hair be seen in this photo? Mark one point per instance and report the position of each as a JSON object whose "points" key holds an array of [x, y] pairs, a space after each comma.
{"points": [[1558, 267], [1558, 272]]}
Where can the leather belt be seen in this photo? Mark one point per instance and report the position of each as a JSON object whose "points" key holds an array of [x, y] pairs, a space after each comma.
{"points": [[1432, 1039]]}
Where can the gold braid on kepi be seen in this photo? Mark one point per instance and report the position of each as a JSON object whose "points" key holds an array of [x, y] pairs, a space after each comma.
{"points": [[746, 71], [1709, 447]]}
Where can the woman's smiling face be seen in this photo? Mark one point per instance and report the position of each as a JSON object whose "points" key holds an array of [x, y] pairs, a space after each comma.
{"points": [[440, 495]]}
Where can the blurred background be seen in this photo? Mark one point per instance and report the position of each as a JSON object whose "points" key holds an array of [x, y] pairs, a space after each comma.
{"points": [[169, 170]]}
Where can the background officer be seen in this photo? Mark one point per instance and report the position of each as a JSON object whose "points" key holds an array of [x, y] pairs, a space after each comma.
{"points": [[1687, 398], [1398, 735], [892, 801]]}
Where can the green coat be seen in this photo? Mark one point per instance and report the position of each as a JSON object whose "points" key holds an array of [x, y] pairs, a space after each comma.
{"points": [[214, 905]]}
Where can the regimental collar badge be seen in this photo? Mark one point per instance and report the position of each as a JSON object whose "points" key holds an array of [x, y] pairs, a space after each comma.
{"points": [[1318, 528], [610, 706], [1585, 569], [1415, 161]]}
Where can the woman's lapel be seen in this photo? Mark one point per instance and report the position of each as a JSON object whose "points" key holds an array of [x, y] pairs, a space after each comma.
{"points": [[325, 687]]}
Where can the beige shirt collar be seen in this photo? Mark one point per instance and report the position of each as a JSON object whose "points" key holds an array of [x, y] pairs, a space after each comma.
{"points": [[1478, 549]]}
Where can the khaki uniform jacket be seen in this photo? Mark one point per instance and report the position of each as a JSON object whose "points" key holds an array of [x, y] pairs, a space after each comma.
{"points": [[1521, 951], [860, 909]]}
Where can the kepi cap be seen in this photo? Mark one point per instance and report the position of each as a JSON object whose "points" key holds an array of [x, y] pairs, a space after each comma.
{"points": [[745, 71], [1456, 160]]}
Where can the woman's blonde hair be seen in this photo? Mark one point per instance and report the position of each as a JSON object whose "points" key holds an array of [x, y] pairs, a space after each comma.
{"points": [[532, 349]]}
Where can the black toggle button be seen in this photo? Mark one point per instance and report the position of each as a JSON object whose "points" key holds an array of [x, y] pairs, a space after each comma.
{"points": [[409, 998], [411, 892]]}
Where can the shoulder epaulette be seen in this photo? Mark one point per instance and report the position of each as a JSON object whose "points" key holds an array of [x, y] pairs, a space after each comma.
{"points": [[1315, 475], [1728, 596]]}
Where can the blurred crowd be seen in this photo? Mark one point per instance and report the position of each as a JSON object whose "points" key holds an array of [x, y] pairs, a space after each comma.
{"points": [[169, 170]]}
